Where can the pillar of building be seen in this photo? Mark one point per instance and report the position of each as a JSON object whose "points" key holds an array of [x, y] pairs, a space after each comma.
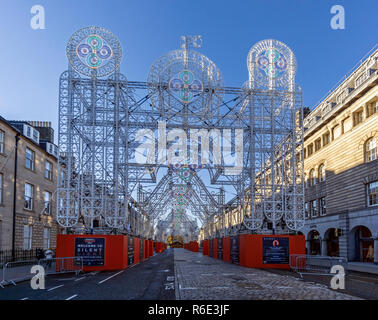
{"points": [[376, 248], [324, 247], [308, 247]]}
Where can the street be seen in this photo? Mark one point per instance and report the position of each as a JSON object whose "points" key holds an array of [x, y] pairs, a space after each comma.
{"points": [[178, 274]]}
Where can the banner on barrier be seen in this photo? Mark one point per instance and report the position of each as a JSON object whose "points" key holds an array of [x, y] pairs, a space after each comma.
{"points": [[92, 251], [275, 250]]}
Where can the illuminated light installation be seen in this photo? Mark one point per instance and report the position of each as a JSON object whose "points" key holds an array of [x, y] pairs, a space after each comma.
{"points": [[275, 179], [92, 112], [99, 120]]}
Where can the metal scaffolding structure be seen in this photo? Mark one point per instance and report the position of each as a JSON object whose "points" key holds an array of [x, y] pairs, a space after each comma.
{"points": [[121, 168]]}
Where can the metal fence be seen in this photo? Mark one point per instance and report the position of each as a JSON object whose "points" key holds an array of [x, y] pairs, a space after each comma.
{"points": [[16, 271], [316, 265], [62, 265], [19, 255]]}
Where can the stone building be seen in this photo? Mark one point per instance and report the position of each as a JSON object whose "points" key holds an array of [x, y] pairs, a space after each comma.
{"points": [[341, 168], [27, 207]]}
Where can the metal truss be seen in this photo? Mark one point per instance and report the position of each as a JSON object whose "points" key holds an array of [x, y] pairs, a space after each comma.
{"points": [[104, 119]]}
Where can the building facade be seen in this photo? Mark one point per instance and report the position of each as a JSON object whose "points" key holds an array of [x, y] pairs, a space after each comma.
{"points": [[341, 168], [28, 176]]}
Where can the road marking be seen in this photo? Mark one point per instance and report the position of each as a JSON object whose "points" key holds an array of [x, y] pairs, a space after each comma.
{"points": [[187, 288], [55, 287], [206, 274], [80, 279], [228, 274], [26, 298], [74, 296], [220, 287], [132, 266], [111, 277]]}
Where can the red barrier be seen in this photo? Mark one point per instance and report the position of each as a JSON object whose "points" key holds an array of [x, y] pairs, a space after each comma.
{"points": [[205, 249], [145, 249], [251, 251], [114, 253], [215, 248], [194, 246], [136, 250], [150, 248], [226, 249]]}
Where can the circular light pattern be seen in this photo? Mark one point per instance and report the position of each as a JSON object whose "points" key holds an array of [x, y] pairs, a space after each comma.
{"points": [[186, 77], [271, 63], [94, 51], [185, 87]]}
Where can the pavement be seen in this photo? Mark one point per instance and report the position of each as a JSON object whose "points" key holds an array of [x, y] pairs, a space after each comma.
{"points": [[179, 274], [200, 277]]}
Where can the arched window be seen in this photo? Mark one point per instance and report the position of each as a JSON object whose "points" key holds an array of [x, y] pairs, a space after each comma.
{"points": [[322, 173], [312, 177], [371, 150]]}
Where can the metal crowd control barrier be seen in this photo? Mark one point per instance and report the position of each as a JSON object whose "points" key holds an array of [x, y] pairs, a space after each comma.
{"points": [[17, 271], [62, 265], [316, 265]]}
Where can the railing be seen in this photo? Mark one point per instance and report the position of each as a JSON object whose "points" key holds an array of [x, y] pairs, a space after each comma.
{"points": [[16, 271], [316, 265], [19, 255]]}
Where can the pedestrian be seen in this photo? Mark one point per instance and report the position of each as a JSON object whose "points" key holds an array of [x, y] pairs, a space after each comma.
{"points": [[370, 254], [49, 256], [39, 254]]}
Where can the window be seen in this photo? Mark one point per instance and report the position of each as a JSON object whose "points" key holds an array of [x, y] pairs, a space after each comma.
{"points": [[318, 144], [46, 238], [357, 117], [1, 188], [372, 190], [1, 141], [371, 150], [306, 210], [336, 131], [314, 208], [305, 153], [29, 190], [312, 177], [326, 138], [28, 236], [322, 173], [361, 79], [310, 150], [372, 108], [48, 170], [29, 160], [322, 206], [47, 203]]}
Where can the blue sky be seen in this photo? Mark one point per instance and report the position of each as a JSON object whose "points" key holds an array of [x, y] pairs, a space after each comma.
{"points": [[32, 60]]}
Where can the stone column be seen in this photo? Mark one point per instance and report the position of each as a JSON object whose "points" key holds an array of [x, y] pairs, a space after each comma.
{"points": [[324, 247], [376, 248], [308, 247]]}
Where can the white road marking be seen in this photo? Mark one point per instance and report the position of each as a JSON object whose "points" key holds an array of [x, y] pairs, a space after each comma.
{"points": [[26, 298], [80, 279], [132, 266], [74, 296], [102, 281], [188, 288], [228, 274], [55, 287], [220, 287]]}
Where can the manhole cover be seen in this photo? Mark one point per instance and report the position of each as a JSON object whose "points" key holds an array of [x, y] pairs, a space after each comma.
{"points": [[249, 285]]}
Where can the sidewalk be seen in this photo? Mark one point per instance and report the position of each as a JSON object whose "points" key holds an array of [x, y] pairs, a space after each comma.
{"points": [[367, 267], [200, 277]]}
